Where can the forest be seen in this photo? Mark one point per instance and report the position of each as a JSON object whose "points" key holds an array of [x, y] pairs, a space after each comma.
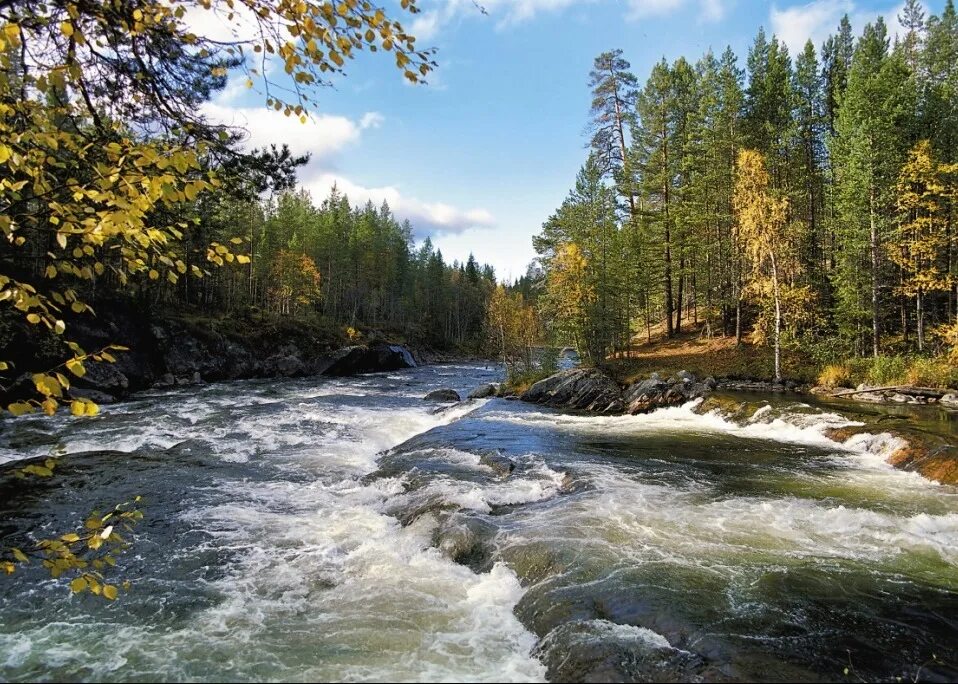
{"points": [[807, 202], [116, 189], [802, 204]]}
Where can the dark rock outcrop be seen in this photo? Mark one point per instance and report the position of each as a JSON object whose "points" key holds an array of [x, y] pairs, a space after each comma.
{"points": [[443, 395], [372, 358], [585, 389]]}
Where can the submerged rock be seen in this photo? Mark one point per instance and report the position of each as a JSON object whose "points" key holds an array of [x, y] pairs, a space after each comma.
{"points": [[602, 651], [586, 389], [443, 395]]}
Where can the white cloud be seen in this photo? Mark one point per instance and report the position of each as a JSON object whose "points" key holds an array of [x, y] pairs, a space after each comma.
{"points": [[324, 137], [427, 218], [216, 24], [713, 10], [427, 25], [371, 120], [818, 19]]}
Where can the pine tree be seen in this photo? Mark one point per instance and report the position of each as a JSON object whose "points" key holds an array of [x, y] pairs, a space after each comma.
{"points": [[867, 152], [614, 91]]}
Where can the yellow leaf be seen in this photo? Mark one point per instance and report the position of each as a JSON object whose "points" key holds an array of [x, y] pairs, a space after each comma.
{"points": [[78, 585], [33, 318], [66, 28], [75, 366], [49, 406], [19, 555], [19, 408], [109, 592]]}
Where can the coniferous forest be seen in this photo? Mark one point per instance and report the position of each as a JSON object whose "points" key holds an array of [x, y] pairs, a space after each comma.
{"points": [[804, 201]]}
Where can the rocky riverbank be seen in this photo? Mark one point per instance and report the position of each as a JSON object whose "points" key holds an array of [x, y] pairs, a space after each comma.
{"points": [[934, 456], [590, 389], [176, 352]]}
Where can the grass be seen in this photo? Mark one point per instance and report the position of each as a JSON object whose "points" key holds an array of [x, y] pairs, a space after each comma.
{"points": [[721, 357], [886, 371], [518, 383]]}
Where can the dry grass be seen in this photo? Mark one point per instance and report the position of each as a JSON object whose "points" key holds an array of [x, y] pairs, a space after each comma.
{"points": [[719, 357]]}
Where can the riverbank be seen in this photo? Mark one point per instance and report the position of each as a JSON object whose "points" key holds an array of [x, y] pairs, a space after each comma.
{"points": [[722, 358], [168, 351], [915, 445]]}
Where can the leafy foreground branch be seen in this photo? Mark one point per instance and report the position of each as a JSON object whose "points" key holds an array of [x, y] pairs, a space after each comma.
{"points": [[84, 555]]}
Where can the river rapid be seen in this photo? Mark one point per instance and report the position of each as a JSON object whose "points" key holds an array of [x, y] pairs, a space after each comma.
{"points": [[345, 529]]}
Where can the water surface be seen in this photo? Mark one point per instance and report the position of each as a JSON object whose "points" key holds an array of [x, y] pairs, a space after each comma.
{"points": [[344, 529]]}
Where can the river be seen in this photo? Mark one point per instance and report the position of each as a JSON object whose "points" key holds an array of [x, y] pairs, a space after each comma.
{"points": [[321, 529]]}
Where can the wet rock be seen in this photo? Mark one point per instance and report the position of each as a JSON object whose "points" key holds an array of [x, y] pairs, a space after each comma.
{"points": [[751, 386], [166, 381], [500, 464], [484, 391], [443, 395], [949, 400], [466, 540], [654, 393], [929, 454], [287, 366], [96, 396], [602, 651], [586, 389], [728, 407], [374, 358], [105, 379]]}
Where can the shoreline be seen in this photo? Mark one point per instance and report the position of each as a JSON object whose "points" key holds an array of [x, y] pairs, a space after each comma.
{"points": [[932, 453]]}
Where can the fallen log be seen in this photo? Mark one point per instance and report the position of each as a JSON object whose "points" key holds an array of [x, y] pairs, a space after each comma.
{"points": [[907, 390]]}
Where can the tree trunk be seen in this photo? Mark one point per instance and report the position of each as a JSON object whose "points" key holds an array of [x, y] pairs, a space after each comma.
{"points": [[778, 322], [921, 320], [874, 271]]}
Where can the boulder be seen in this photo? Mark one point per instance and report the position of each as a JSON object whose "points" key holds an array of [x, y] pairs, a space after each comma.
{"points": [[104, 378], [443, 395], [287, 366], [586, 389], [373, 358], [648, 395], [96, 396], [484, 391], [949, 400]]}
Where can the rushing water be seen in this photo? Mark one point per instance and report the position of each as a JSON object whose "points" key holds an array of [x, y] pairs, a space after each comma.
{"points": [[346, 529]]}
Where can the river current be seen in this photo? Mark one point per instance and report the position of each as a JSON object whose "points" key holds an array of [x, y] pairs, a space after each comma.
{"points": [[320, 529]]}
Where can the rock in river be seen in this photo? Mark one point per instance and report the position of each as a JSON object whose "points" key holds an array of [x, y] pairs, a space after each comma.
{"points": [[484, 391], [586, 389], [443, 395]]}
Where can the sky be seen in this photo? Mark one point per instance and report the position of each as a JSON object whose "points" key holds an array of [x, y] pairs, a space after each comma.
{"points": [[480, 157]]}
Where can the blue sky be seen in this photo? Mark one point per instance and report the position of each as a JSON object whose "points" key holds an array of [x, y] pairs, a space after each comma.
{"points": [[479, 158]]}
